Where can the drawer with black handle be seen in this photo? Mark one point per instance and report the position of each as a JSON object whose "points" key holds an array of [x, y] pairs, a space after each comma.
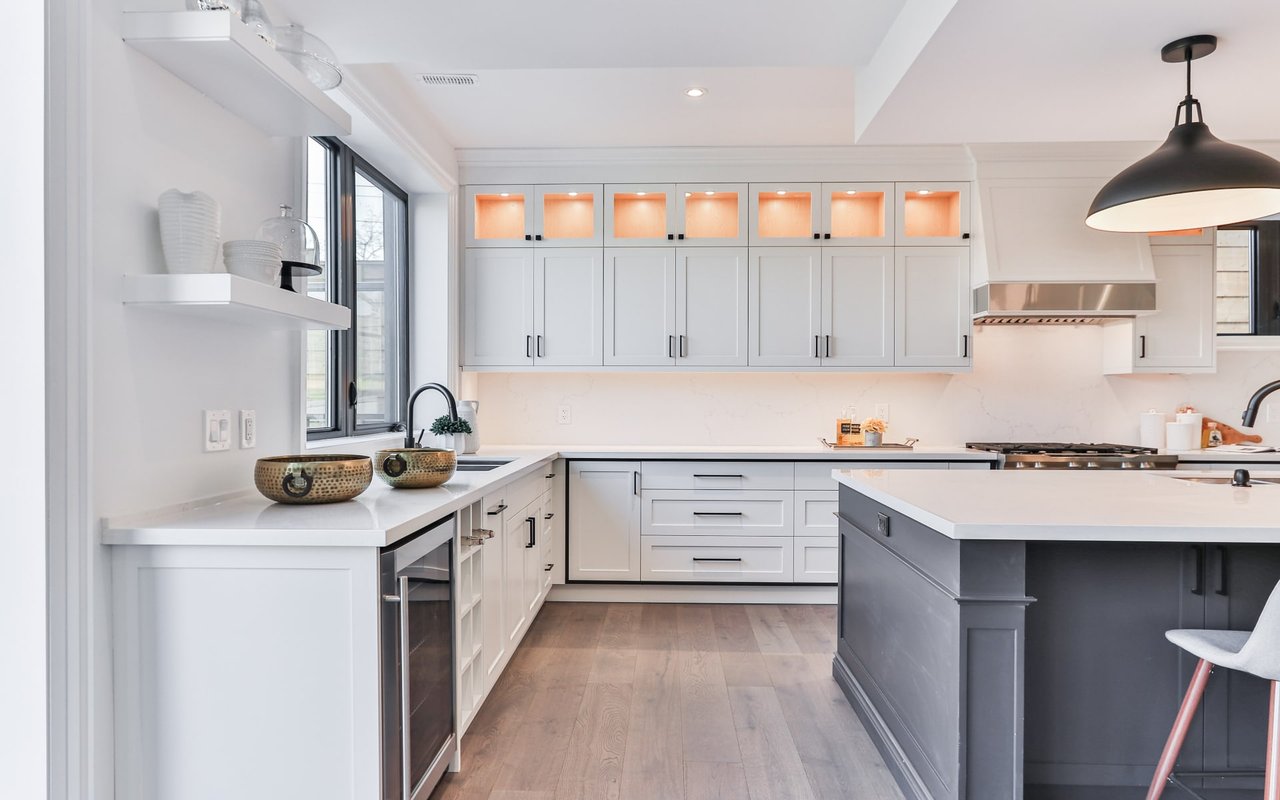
{"points": [[716, 559]]}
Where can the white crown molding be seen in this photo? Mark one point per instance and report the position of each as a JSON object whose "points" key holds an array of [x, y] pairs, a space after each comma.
{"points": [[661, 156], [389, 122]]}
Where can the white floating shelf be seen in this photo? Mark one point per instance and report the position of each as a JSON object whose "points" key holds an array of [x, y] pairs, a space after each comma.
{"points": [[219, 55], [230, 298]]}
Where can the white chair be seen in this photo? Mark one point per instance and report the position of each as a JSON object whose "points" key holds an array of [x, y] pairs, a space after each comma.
{"points": [[1256, 652]]}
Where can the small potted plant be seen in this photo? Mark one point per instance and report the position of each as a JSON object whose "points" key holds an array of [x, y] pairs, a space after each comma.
{"points": [[873, 431], [444, 425]]}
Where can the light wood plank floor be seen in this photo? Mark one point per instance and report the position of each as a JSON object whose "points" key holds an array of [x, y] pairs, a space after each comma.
{"points": [[670, 702]]}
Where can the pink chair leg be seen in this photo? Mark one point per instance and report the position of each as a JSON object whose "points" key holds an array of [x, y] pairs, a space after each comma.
{"points": [[1187, 713], [1272, 781]]}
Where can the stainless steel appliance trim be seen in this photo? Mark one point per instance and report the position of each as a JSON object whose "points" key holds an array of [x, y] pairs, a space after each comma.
{"points": [[438, 766], [433, 538], [1084, 299], [405, 744]]}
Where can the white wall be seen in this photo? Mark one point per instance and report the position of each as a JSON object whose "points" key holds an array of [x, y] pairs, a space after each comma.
{"points": [[1028, 383], [23, 682]]}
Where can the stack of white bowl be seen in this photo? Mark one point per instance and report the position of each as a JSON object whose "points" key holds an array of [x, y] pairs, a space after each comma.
{"points": [[252, 258]]}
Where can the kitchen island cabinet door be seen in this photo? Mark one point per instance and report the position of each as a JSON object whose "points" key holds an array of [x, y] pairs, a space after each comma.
{"points": [[604, 521], [932, 308], [711, 307], [498, 300], [639, 306], [785, 314]]}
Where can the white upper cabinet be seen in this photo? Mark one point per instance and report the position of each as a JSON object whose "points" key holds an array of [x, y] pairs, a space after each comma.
{"points": [[639, 306], [498, 302], [1179, 337], [499, 216], [711, 214], [568, 296], [711, 306], [931, 213], [785, 311], [857, 306], [933, 325], [639, 214], [785, 214], [568, 216], [857, 214]]}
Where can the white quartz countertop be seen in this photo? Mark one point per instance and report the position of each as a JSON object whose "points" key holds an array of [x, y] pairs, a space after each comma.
{"points": [[1102, 505], [1214, 455], [814, 452]]}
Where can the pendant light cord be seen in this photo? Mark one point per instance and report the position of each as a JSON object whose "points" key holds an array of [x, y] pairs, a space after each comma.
{"points": [[1188, 102]]}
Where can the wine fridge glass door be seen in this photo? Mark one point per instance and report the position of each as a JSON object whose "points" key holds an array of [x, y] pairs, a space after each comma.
{"points": [[426, 668]]}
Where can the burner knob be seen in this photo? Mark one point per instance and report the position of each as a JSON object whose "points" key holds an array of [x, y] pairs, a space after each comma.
{"points": [[1020, 465], [1093, 465], [1146, 465], [1073, 465], [1126, 465], [1039, 465]]}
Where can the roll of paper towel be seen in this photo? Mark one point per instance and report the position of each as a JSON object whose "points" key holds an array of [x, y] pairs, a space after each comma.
{"points": [[1182, 436], [1151, 429]]}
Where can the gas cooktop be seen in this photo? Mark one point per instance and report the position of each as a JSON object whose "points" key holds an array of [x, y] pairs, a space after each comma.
{"points": [[1061, 455], [1061, 448]]}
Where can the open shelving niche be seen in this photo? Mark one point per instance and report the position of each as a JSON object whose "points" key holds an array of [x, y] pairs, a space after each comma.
{"points": [[237, 300]]}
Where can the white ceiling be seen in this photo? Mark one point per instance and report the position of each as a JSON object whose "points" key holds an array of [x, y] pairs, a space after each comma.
{"points": [[579, 73]]}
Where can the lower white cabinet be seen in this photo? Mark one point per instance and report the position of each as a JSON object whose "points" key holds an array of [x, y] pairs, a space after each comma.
{"points": [[717, 559], [1179, 337], [515, 609], [817, 559], [932, 307], [604, 521], [816, 512], [675, 512]]}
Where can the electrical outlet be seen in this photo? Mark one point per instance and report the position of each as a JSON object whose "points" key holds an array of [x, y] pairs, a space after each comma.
{"points": [[564, 415], [248, 428], [882, 411], [216, 431]]}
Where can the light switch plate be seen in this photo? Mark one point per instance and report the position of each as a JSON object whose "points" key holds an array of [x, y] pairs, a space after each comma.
{"points": [[216, 432], [882, 411], [248, 428]]}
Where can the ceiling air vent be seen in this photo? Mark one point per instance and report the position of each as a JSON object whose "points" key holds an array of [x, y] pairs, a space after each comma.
{"points": [[447, 79]]}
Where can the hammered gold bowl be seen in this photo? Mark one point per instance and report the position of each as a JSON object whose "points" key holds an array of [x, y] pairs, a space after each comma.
{"points": [[415, 467], [304, 480]]}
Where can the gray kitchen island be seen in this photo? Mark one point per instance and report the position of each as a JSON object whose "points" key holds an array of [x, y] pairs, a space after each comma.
{"points": [[1001, 633]]}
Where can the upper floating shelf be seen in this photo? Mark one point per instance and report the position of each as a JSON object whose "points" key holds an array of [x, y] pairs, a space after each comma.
{"points": [[230, 298], [220, 56]]}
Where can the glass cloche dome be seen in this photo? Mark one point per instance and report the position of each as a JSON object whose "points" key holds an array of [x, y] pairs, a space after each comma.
{"points": [[299, 245]]}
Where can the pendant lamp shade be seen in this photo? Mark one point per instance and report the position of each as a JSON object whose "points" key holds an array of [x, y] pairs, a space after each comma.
{"points": [[1194, 179]]}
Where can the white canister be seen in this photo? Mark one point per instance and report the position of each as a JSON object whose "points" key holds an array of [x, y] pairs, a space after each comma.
{"points": [[1182, 436], [190, 227], [467, 410], [1151, 428], [1197, 419]]}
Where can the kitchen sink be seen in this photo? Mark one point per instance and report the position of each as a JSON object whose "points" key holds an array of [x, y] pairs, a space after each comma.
{"points": [[481, 464], [1221, 479]]}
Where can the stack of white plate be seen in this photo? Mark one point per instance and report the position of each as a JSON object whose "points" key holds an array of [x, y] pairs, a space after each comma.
{"points": [[251, 258]]}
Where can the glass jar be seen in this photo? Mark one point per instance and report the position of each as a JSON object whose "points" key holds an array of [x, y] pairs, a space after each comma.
{"points": [[299, 245]]}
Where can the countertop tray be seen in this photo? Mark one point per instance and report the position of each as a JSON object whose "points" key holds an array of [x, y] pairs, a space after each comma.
{"points": [[910, 444]]}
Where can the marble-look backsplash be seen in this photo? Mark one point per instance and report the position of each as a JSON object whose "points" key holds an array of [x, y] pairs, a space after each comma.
{"points": [[1028, 384]]}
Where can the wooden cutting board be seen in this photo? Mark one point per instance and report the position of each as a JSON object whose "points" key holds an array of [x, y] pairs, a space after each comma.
{"points": [[1232, 436]]}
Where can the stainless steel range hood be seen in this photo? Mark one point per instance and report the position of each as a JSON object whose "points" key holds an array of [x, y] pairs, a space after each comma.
{"points": [[1036, 262]]}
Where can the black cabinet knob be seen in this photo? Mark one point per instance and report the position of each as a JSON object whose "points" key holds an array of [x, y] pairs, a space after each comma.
{"points": [[538, 238], [670, 236], [817, 236], [826, 236], [528, 238], [680, 236], [964, 236]]}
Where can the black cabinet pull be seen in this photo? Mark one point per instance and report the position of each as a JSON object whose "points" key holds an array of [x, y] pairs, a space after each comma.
{"points": [[548, 567], [726, 560], [965, 354], [549, 515], [528, 238], [828, 341], [532, 538], [1222, 571], [635, 483], [528, 347], [717, 475], [539, 350], [671, 346], [498, 509], [680, 237], [717, 513], [964, 236], [817, 236], [1142, 346], [538, 238], [1198, 586], [816, 339], [670, 237], [683, 351], [826, 236]]}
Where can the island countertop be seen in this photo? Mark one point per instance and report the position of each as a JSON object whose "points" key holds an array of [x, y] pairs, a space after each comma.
{"points": [[1100, 505]]}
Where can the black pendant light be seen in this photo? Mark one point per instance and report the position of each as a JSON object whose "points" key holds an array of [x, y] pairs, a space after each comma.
{"points": [[1194, 179]]}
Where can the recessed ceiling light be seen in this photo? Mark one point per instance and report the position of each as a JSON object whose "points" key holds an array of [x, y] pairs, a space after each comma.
{"points": [[641, 194], [709, 194], [782, 191], [573, 194], [505, 194], [922, 191], [851, 191], [695, 91]]}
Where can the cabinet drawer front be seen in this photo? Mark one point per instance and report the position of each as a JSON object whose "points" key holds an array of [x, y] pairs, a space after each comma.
{"points": [[712, 559], [817, 559], [717, 475], [681, 513], [816, 513]]}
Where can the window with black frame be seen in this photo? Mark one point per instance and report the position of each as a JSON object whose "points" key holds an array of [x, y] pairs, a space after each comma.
{"points": [[1248, 279], [356, 380]]}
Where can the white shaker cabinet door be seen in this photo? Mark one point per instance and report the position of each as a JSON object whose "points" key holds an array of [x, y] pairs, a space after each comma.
{"points": [[785, 316], [498, 298], [932, 306], [639, 306], [711, 306], [568, 296], [604, 521], [1180, 335], [857, 306]]}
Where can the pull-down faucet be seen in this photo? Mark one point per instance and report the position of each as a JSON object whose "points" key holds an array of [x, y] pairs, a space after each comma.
{"points": [[1255, 402], [448, 398]]}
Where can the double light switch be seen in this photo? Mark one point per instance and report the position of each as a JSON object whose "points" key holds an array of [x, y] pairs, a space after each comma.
{"points": [[218, 430]]}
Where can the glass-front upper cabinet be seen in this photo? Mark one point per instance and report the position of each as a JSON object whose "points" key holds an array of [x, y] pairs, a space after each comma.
{"points": [[639, 214], [712, 214], [568, 216], [499, 216], [857, 214], [932, 213], [785, 213]]}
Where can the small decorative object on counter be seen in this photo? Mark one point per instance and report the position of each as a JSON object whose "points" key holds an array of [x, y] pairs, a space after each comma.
{"points": [[467, 411], [190, 227], [1232, 436], [415, 467], [310, 55], [299, 245], [873, 432], [848, 432], [308, 480], [1215, 435], [250, 258], [452, 429]]}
